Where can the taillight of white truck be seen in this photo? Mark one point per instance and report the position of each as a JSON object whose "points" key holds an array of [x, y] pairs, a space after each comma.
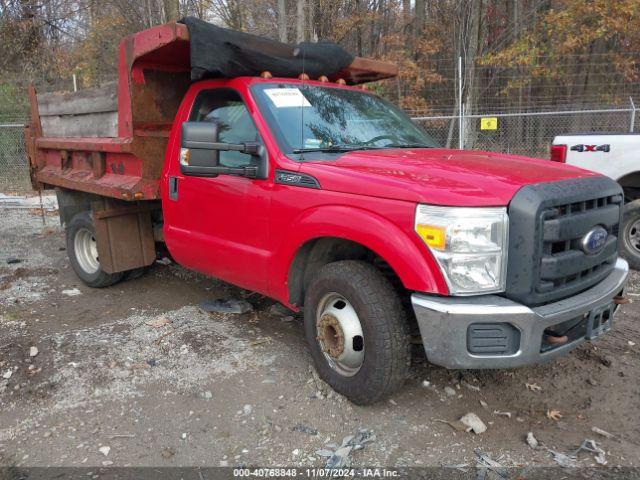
{"points": [[559, 153]]}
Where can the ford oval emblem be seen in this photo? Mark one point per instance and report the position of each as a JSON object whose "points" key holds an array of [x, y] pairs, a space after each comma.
{"points": [[594, 240]]}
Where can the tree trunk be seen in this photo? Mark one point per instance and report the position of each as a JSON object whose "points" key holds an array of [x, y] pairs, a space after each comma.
{"points": [[300, 20], [171, 10], [406, 11], [311, 21], [235, 14], [360, 19], [474, 50], [406, 20], [282, 21], [420, 17]]}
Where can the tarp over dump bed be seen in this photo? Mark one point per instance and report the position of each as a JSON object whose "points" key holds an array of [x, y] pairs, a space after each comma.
{"points": [[219, 52]]}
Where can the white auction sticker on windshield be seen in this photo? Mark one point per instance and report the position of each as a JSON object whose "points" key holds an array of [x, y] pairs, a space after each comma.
{"points": [[287, 97]]}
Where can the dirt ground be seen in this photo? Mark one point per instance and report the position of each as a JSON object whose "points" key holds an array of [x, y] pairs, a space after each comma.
{"points": [[138, 375]]}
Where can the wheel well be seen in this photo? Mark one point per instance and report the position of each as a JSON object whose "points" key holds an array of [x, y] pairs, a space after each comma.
{"points": [[317, 253], [630, 183], [71, 202]]}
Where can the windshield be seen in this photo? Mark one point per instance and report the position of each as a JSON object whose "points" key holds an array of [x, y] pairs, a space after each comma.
{"points": [[310, 118]]}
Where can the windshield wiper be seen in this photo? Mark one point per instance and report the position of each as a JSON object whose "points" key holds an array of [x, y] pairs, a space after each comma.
{"points": [[333, 148], [406, 145]]}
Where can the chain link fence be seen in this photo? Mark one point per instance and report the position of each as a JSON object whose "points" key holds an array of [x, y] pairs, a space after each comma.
{"points": [[14, 171], [529, 133]]}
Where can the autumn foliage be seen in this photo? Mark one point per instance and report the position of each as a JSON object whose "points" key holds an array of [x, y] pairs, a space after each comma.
{"points": [[515, 53]]}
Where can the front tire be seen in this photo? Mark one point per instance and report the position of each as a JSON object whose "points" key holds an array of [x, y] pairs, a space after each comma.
{"points": [[357, 331], [83, 253], [630, 241]]}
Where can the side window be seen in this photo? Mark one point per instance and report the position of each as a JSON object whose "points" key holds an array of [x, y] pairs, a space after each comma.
{"points": [[235, 125]]}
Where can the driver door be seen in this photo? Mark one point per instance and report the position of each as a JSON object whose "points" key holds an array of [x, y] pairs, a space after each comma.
{"points": [[219, 225]]}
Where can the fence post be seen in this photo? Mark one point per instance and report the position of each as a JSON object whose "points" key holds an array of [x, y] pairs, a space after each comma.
{"points": [[460, 112], [632, 122]]}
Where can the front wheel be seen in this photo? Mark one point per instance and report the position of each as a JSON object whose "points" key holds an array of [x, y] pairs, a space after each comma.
{"points": [[357, 331], [83, 253], [630, 241]]}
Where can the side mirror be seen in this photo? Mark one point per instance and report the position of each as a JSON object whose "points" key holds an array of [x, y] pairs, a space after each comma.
{"points": [[200, 153]]}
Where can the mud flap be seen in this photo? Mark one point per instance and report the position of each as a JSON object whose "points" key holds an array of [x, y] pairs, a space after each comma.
{"points": [[124, 234]]}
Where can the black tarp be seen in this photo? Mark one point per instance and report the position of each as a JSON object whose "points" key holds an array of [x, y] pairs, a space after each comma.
{"points": [[220, 52]]}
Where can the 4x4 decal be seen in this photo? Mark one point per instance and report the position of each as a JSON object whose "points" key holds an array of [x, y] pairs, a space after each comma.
{"points": [[591, 148]]}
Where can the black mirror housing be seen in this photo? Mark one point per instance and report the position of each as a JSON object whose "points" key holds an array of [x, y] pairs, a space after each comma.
{"points": [[200, 153]]}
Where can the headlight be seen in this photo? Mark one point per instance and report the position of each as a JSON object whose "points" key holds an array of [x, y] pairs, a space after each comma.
{"points": [[470, 245]]}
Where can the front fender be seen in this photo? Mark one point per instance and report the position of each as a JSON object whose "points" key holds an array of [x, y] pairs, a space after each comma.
{"points": [[403, 251]]}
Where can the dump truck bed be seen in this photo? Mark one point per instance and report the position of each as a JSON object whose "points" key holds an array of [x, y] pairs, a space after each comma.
{"points": [[111, 141]]}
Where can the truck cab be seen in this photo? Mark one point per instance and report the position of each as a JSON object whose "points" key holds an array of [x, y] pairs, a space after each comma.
{"points": [[327, 198]]}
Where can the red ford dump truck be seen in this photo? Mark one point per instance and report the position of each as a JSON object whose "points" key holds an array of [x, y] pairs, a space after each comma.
{"points": [[327, 198]]}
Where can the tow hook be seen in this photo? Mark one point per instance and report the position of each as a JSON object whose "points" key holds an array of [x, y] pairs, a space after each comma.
{"points": [[552, 338], [620, 300]]}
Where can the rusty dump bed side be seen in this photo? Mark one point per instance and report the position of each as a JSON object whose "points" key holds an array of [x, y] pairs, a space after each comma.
{"points": [[123, 157], [112, 143]]}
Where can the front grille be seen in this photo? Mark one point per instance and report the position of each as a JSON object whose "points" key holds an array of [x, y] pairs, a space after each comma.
{"points": [[548, 222], [564, 266]]}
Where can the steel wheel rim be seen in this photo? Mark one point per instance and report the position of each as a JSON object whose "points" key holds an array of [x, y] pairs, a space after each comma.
{"points": [[633, 236], [86, 250], [339, 334]]}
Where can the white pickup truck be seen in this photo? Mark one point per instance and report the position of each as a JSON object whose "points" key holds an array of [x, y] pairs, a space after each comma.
{"points": [[616, 156]]}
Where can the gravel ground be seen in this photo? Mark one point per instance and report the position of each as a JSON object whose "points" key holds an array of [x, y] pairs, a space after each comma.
{"points": [[138, 375]]}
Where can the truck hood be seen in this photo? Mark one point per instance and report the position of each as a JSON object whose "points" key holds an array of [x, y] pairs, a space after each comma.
{"points": [[437, 176]]}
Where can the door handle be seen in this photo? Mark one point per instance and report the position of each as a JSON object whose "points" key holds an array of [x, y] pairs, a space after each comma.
{"points": [[173, 188]]}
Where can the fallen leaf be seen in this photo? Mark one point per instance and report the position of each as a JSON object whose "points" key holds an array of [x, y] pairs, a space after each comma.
{"points": [[534, 387], [158, 322], [554, 415], [167, 453]]}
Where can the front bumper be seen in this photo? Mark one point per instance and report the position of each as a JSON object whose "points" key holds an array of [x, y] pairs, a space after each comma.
{"points": [[445, 324]]}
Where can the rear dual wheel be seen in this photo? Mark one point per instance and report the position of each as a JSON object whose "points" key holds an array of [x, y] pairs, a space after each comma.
{"points": [[357, 331]]}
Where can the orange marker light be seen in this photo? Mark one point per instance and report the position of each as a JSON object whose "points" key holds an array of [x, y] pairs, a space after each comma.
{"points": [[433, 236]]}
